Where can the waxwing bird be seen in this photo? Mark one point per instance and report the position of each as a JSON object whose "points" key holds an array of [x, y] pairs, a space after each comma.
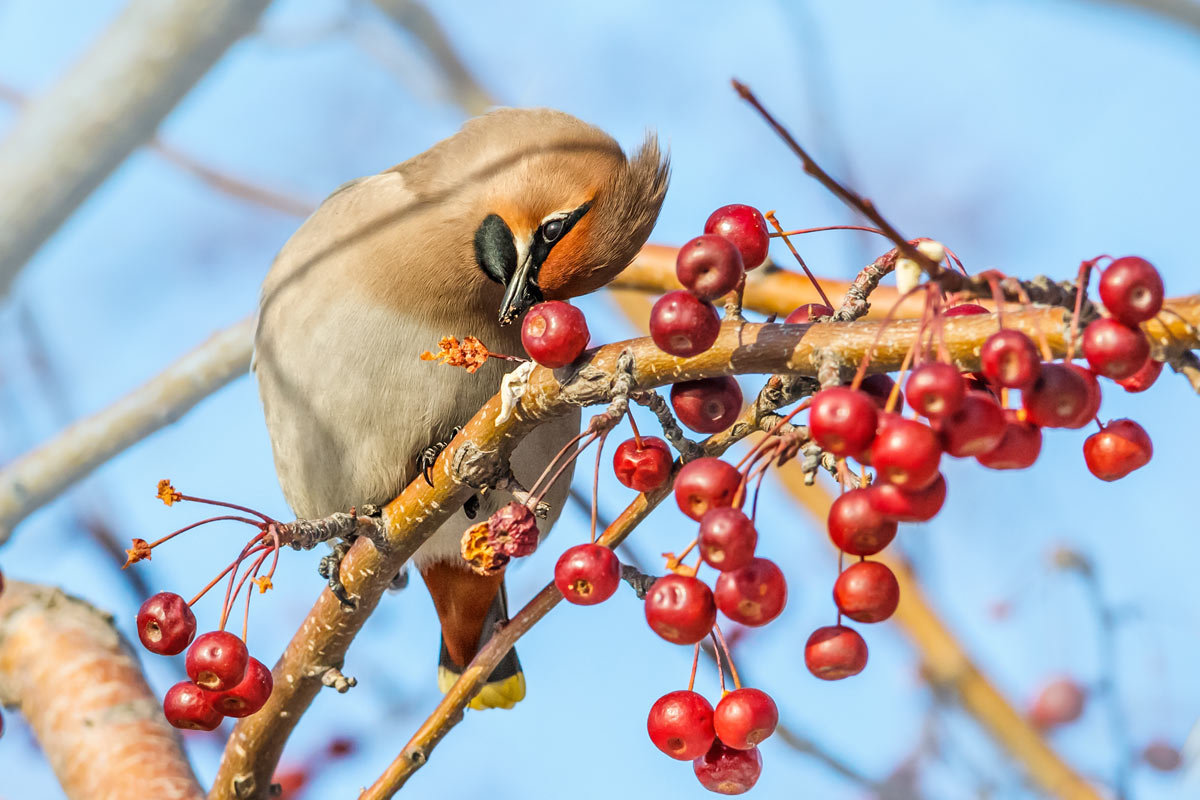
{"points": [[518, 206]]}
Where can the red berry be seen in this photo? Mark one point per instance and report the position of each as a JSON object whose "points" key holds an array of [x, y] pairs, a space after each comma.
{"points": [[682, 324], [706, 483], [1059, 702], [1089, 411], [709, 266], [1144, 378], [867, 592], [753, 595], [554, 333], [1009, 358], [707, 405], [745, 717], [1162, 756], [935, 389], [680, 609], [842, 421], [835, 652], [248, 696], [1131, 290], [1117, 450], [745, 227], [964, 310], [1058, 398], [216, 661], [1113, 349], [727, 538], [857, 527], [907, 454], [1018, 449], [165, 624], [977, 427], [643, 468], [879, 387], [681, 725], [190, 707], [725, 770], [587, 574], [807, 313], [902, 506]]}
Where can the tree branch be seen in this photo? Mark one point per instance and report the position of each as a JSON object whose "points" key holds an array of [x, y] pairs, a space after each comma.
{"points": [[65, 667]]}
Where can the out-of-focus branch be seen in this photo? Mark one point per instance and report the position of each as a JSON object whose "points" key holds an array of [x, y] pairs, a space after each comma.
{"points": [[68, 140], [42, 474], [1186, 12], [65, 667]]}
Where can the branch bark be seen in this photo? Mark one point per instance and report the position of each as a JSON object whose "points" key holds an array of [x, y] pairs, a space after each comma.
{"points": [[65, 667], [67, 141]]}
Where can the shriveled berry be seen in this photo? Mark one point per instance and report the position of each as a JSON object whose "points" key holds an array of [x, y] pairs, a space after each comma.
{"points": [[707, 405], [964, 310], [807, 313], [1009, 358], [1114, 349], [900, 505], [727, 538], [1020, 446], [1132, 290], [1058, 398], [857, 527], [867, 592], [745, 717], [683, 325], [842, 421], [1117, 450], [906, 453], [706, 483], [165, 624], [188, 706], [680, 609], [587, 574], [1059, 702], [1144, 378], [935, 389], [976, 428], [725, 770], [835, 652], [554, 333], [681, 725], [709, 266], [745, 227], [644, 467], [753, 595], [248, 696], [216, 661]]}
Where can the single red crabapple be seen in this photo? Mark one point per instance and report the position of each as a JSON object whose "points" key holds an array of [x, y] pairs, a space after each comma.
{"points": [[1009, 358], [977, 426], [856, 526], [706, 483], [879, 387], [1059, 702], [707, 405], [1132, 290], [681, 725], [835, 652], [842, 421], [745, 227], [964, 310], [907, 454], [680, 609], [1162, 756], [709, 266], [291, 781], [189, 707], [216, 661], [248, 696], [745, 717], [1020, 446], [554, 333], [1057, 398], [1117, 450], [727, 538], [682, 324], [643, 468], [587, 574], [753, 595], [1092, 405], [902, 506], [1113, 349], [725, 770], [165, 624], [807, 313], [1144, 378], [934, 389], [866, 592]]}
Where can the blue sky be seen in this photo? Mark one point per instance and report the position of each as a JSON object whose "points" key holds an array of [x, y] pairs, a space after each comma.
{"points": [[1028, 136]]}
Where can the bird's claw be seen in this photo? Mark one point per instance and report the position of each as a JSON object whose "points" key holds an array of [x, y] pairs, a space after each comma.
{"points": [[330, 569], [428, 456]]}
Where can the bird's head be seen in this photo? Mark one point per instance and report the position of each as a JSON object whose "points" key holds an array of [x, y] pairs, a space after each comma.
{"points": [[564, 209]]}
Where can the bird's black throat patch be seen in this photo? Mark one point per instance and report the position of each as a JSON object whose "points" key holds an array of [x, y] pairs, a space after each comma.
{"points": [[495, 251]]}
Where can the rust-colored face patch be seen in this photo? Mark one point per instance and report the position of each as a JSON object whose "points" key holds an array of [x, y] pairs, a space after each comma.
{"points": [[560, 276]]}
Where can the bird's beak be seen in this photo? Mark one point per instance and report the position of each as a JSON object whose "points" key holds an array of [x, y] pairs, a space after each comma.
{"points": [[521, 292]]}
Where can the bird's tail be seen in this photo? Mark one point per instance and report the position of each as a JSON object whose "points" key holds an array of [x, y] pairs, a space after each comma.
{"points": [[505, 687]]}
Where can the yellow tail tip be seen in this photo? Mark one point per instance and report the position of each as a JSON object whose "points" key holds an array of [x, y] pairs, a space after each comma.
{"points": [[501, 694]]}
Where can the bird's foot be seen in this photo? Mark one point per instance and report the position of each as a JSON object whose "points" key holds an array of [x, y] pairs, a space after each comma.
{"points": [[330, 569], [428, 456]]}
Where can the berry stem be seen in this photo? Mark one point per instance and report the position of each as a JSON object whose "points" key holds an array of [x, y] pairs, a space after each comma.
{"points": [[770, 217], [802, 231], [887, 320], [637, 436], [737, 683], [215, 581], [252, 522], [234, 506], [596, 484], [717, 658], [1081, 284], [695, 663]]}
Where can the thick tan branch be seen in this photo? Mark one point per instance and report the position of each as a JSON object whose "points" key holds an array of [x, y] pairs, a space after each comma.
{"points": [[66, 669]]}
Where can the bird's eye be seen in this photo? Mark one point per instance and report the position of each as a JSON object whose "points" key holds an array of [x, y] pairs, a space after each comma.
{"points": [[553, 229]]}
